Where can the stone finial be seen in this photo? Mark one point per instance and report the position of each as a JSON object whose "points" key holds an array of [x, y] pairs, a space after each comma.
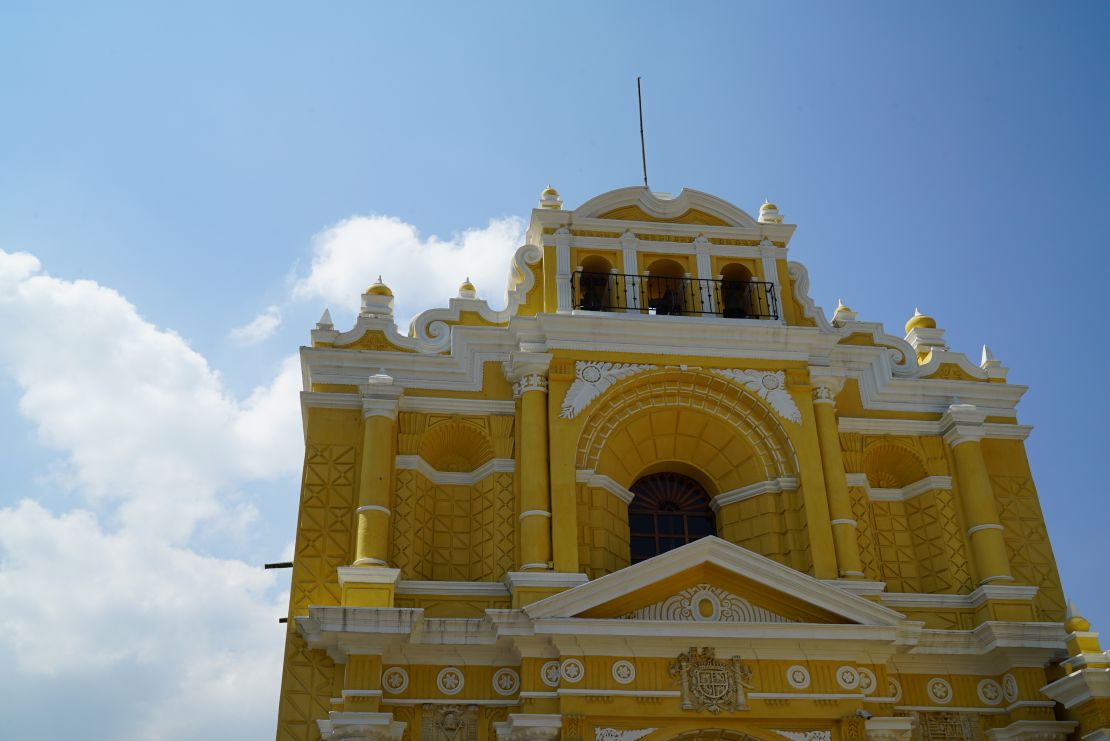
{"points": [[550, 199], [325, 322], [843, 314], [769, 213]]}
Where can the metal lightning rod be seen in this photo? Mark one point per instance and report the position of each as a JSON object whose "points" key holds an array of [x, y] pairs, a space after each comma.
{"points": [[643, 151]]}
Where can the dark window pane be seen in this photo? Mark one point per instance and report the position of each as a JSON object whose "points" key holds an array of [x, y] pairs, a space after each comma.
{"points": [[699, 527], [640, 524], [667, 511]]}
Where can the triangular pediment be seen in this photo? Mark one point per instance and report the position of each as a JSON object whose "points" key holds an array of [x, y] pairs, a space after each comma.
{"points": [[713, 580]]}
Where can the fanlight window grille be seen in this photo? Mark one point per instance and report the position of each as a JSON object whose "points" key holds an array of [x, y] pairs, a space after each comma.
{"points": [[668, 510]]}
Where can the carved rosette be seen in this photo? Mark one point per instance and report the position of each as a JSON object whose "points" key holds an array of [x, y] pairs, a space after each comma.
{"points": [[706, 603], [591, 379], [767, 385], [709, 683]]}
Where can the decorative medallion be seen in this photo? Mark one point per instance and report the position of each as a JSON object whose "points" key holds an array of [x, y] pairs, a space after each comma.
{"points": [[709, 683], [624, 671], [894, 689], [446, 723], [989, 691], [847, 677], [797, 677], [549, 673], [505, 681], [621, 734], [867, 681], [450, 680], [572, 670], [939, 690], [1009, 688], [395, 680], [706, 603], [767, 385], [591, 379]]}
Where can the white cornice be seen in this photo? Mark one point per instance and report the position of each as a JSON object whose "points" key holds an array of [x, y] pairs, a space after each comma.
{"points": [[455, 478], [915, 427], [959, 601], [1079, 687], [601, 481], [771, 486], [452, 588], [909, 491]]}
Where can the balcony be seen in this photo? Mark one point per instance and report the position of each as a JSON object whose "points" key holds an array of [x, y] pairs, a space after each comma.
{"points": [[669, 296]]}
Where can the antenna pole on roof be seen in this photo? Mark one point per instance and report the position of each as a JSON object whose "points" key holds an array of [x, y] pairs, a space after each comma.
{"points": [[643, 151]]}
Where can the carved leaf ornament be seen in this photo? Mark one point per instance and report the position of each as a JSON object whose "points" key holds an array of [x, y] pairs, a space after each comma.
{"points": [[767, 385], [591, 379]]}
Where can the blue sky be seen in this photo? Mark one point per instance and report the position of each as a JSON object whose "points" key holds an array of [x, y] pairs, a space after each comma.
{"points": [[178, 170]]}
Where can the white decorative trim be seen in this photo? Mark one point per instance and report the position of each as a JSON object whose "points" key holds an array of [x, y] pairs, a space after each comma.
{"points": [[601, 481], [844, 521], [797, 676], [1036, 730], [867, 681], [450, 680], [529, 382], [363, 575], [771, 486], [1010, 688], [373, 508], [603, 692], [767, 385], [985, 526], [395, 680], [989, 691], [624, 672], [545, 579], [968, 601], [454, 405], [375, 562], [549, 673], [939, 690], [591, 379], [506, 681], [621, 734], [724, 607], [534, 513], [453, 588], [572, 670], [871, 426], [894, 689], [454, 478], [447, 701], [847, 677], [806, 735], [907, 492]]}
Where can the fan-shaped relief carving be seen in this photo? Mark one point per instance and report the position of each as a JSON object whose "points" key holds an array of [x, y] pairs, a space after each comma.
{"points": [[591, 379], [455, 446], [706, 603], [767, 385]]}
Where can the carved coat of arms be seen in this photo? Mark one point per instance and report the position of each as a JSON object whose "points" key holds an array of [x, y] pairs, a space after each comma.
{"points": [[709, 683]]}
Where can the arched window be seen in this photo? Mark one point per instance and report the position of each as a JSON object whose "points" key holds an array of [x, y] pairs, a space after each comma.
{"points": [[666, 287], [669, 510]]}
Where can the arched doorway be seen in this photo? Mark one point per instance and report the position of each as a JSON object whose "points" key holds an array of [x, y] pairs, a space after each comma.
{"points": [[669, 510]]}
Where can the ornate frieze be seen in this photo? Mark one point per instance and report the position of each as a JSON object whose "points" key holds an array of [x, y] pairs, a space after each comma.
{"points": [[806, 735], [706, 603], [449, 723], [767, 385], [591, 379], [621, 734], [709, 683]]}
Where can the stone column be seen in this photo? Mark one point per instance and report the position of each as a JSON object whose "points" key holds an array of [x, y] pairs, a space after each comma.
{"points": [[380, 399], [844, 525], [963, 431], [888, 728], [529, 373]]}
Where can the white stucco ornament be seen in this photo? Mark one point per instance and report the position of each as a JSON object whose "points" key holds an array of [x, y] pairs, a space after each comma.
{"points": [[591, 379], [706, 603], [806, 735], [767, 385], [621, 734]]}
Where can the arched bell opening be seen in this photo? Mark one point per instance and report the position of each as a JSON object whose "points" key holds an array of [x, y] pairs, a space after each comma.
{"points": [[595, 284], [665, 287], [736, 291]]}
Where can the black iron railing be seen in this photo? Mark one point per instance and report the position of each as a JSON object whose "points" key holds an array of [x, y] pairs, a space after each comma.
{"points": [[656, 294]]}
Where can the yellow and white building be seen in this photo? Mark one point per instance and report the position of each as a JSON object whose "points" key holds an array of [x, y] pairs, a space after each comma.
{"points": [[662, 496]]}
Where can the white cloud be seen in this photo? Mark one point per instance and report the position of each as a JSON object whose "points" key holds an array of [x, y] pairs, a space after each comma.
{"points": [[118, 607], [113, 594], [140, 416], [262, 327], [423, 272]]}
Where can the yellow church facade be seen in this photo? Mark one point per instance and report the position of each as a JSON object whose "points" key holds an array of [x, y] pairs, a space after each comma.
{"points": [[661, 495]]}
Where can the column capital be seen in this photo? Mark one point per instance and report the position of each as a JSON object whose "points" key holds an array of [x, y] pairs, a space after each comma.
{"points": [[962, 423], [529, 727], [380, 396], [888, 728], [361, 727], [826, 384], [527, 371]]}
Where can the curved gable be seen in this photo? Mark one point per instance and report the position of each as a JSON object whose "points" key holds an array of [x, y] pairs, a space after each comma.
{"points": [[688, 207]]}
